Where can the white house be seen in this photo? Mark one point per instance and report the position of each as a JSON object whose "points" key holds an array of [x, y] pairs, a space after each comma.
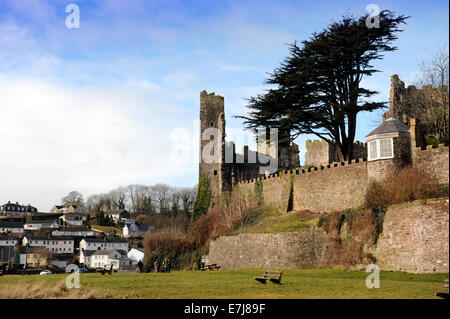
{"points": [[74, 219], [14, 229], [7, 241], [59, 245], [90, 245], [74, 232], [41, 224], [120, 215], [95, 243], [104, 258], [136, 254], [136, 230]]}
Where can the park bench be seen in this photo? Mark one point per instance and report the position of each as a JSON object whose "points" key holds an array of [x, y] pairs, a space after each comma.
{"points": [[272, 275], [211, 267], [104, 270], [443, 294]]}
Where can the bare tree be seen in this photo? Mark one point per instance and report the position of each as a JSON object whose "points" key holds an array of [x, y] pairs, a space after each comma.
{"points": [[431, 105], [141, 200], [187, 198], [72, 198], [118, 197], [162, 194]]}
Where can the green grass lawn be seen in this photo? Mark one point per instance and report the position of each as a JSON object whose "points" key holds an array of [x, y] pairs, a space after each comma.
{"points": [[107, 229], [239, 284], [271, 220]]}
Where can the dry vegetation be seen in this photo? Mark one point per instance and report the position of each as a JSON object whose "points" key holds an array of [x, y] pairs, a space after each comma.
{"points": [[406, 185], [186, 250], [41, 291], [352, 234]]}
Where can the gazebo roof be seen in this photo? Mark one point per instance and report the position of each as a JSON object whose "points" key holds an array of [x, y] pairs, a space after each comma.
{"points": [[391, 125]]}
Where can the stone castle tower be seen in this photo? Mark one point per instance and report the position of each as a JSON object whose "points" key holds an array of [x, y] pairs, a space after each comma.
{"points": [[212, 116], [220, 163]]}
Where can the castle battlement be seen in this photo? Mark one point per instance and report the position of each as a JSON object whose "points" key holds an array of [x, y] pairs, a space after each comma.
{"points": [[299, 171]]}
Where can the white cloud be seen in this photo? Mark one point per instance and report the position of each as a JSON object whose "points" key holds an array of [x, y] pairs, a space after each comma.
{"points": [[92, 140]]}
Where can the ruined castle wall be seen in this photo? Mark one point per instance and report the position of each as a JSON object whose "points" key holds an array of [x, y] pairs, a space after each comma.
{"points": [[433, 160], [318, 153], [276, 250], [415, 238], [276, 189], [333, 188]]}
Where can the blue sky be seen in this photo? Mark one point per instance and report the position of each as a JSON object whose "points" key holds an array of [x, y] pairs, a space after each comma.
{"points": [[102, 106]]}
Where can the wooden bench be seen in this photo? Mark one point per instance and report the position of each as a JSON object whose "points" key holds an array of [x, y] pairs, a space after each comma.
{"points": [[443, 294], [272, 275], [211, 267]]}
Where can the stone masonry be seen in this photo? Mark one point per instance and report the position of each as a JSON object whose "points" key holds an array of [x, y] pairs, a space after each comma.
{"points": [[278, 250], [415, 238]]}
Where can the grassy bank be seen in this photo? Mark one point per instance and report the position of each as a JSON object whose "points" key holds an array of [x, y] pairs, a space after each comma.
{"points": [[107, 229], [271, 220], [239, 284]]}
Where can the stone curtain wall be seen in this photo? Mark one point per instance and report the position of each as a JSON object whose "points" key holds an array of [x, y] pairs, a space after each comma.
{"points": [[433, 160], [415, 238], [330, 189], [278, 250], [333, 187]]}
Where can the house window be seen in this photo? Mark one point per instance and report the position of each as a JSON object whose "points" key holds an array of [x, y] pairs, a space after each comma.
{"points": [[380, 149], [215, 172]]}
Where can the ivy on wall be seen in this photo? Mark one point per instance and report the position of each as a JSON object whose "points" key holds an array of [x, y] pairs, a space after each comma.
{"points": [[259, 193], [203, 199]]}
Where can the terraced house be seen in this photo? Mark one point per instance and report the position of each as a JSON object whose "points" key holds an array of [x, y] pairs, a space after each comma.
{"points": [[59, 245], [13, 229], [16, 209]]}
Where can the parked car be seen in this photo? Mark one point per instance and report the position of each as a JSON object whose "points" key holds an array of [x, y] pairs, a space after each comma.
{"points": [[83, 271], [45, 272]]}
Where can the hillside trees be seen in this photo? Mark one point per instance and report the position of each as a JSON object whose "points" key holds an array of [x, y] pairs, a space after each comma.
{"points": [[432, 105]]}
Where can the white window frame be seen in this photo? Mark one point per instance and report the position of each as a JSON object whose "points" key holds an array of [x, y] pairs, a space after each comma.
{"points": [[378, 149]]}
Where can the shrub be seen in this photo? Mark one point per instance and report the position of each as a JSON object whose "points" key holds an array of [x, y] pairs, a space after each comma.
{"points": [[348, 243], [203, 199], [408, 184]]}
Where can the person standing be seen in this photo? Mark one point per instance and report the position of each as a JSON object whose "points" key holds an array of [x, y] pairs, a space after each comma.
{"points": [[168, 264], [164, 265], [141, 266], [156, 265]]}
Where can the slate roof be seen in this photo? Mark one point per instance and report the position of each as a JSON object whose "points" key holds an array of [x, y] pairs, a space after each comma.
{"points": [[11, 224], [74, 229], [32, 237], [108, 251], [41, 222], [391, 125], [98, 240], [6, 237]]}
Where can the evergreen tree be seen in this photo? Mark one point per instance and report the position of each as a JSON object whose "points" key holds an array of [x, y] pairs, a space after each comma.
{"points": [[318, 86]]}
